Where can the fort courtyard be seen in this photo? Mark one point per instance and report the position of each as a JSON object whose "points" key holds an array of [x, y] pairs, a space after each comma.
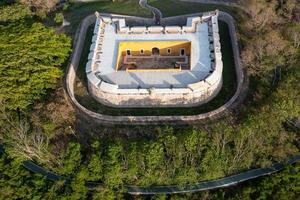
{"points": [[149, 66]]}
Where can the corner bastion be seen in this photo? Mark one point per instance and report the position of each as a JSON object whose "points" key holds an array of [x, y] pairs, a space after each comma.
{"points": [[150, 84]]}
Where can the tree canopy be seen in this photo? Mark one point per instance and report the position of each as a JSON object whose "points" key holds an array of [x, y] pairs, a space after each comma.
{"points": [[41, 6], [30, 59], [14, 12]]}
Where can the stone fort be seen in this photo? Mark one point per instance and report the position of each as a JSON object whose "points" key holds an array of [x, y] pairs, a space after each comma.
{"points": [[155, 66]]}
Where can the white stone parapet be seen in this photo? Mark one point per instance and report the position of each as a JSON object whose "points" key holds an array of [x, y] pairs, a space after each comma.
{"points": [[138, 29], [155, 29], [199, 86], [172, 29], [190, 26]]}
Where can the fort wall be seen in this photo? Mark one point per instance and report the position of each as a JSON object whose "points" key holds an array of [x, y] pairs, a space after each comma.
{"points": [[242, 81], [194, 94]]}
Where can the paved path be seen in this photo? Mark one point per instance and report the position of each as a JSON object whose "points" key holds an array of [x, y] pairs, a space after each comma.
{"points": [[219, 183], [170, 189], [214, 184], [156, 12]]}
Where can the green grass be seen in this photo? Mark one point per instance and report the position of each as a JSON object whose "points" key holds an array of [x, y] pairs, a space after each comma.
{"points": [[176, 7], [76, 13], [227, 91]]}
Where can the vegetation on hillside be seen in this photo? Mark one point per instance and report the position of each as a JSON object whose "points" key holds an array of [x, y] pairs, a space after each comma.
{"points": [[41, 7], [14, 12], [184, 156], [271, 36], [43, 127], [31, 56]]}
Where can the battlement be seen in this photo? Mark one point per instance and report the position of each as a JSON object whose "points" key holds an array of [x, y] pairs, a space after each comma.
{"points": [[141, 66]]}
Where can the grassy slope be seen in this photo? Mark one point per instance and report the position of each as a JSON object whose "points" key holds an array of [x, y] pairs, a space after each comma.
{"points": [[176, 7], [78, 11]]}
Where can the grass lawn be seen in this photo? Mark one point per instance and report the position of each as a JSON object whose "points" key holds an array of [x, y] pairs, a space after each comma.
{"points": [[227, 91], [176, 7], [78, 11]]}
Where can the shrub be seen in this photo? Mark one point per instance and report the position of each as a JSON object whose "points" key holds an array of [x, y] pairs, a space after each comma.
{"points": [[30, 57], [59, 18], [14, 12]]}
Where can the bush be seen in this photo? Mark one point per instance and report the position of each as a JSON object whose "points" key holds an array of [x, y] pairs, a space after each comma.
{"points": [[66, 6], [59, 18], [14, 12], [30, 57]]}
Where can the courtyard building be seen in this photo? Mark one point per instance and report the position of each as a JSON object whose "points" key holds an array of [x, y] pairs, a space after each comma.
{"points": [[155, 66]]}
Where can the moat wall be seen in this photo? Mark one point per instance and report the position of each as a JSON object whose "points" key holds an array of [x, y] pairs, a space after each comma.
{"points": [[242, 83]]}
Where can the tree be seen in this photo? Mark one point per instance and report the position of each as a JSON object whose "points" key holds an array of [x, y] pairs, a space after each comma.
{"points": [[30, 57], [43, 6], [21, 140], [293, 33], [95, 163], [14, 12], [59, 18], [70, 159], [113, 175], [283, 185]]}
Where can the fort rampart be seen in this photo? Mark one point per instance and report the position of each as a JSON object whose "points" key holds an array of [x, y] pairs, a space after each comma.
{"points": [[139, 120], [193, 94]]}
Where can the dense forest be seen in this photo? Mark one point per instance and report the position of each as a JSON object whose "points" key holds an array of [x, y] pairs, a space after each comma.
{"points": [[37, 122]]}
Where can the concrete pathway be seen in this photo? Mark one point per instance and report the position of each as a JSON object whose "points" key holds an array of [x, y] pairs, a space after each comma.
{"points": [[170, 189], [157, 15]]}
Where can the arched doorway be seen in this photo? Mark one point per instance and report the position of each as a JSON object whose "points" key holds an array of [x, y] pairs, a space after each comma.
{"points": [[155, 51]]}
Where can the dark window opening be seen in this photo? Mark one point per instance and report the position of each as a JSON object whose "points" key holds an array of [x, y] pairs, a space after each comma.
{"points": [[128, 52], [182, 52], [169, 51]]}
